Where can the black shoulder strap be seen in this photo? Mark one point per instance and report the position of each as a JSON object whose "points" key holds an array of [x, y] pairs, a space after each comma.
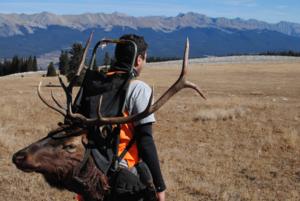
{"points": [[129, 145]]}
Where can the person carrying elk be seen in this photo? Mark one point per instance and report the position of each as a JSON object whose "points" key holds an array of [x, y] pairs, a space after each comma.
{"points": [[134, 137]]}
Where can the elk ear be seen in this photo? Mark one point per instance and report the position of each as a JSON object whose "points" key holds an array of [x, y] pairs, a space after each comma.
{"points": [[84, 139]]}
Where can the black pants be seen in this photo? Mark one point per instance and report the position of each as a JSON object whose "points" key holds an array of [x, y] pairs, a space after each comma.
{"points": [[127, 186], [124, 197]]}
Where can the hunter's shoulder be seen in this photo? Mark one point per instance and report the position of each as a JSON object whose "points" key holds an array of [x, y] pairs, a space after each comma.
{"points": [[139, 85]]}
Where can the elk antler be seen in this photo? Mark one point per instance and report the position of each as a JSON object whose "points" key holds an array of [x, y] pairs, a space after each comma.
{"points": [[100, 120], [68, 89], [87, 45], [177, 86], [59, 110], [57, 102]]}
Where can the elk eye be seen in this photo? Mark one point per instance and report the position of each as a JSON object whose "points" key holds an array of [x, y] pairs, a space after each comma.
{"points": [[70, 147]]}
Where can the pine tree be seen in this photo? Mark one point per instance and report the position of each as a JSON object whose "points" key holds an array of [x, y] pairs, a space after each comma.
{"points": [[34, 64], [1, 69], [76, 53], [7, 67], [23, 64], [14, 67], [29, 62], [64, 62], [51, 70]]}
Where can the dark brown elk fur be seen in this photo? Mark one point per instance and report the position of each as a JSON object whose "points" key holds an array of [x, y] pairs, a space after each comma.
{"points": [[58, 156]]}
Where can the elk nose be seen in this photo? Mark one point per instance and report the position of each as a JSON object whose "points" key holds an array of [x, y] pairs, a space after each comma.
{"points": [[19, 157]]}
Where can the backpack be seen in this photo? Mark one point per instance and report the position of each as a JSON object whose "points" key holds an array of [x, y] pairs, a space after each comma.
{"points": [[104, 140]]}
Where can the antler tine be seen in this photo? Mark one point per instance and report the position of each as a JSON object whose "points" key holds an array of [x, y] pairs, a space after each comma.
{"points": [[179, 84], [68, 92], [185, 59], [188, 84], [59, 110], [191, 85], [57, 102], [87, 45], [65, 88], [99, 108]]}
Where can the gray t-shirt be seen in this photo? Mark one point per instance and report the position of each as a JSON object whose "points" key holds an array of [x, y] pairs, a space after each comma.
{"points": [[137, 99]]}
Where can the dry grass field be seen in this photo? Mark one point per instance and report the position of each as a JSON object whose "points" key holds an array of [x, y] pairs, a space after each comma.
{"points": [[242, 143]]}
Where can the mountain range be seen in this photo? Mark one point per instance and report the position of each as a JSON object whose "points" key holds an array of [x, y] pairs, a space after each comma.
{"points": [[41, 33]]}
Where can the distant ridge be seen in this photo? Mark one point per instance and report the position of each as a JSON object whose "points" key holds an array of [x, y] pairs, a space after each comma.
{"points": [[45, 33], [19, 24]]}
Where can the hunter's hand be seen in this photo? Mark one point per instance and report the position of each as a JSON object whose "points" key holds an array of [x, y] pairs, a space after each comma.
{"points": [[161, 196]]}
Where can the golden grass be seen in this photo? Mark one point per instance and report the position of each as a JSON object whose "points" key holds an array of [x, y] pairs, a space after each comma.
{"points": [[240, 144], [221, 114]]}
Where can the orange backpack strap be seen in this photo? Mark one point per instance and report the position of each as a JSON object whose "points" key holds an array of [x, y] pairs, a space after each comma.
{"points": [[115, 72]]}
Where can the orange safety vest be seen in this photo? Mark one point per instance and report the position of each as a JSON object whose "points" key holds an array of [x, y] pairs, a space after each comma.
{"points": [[126, 134]]}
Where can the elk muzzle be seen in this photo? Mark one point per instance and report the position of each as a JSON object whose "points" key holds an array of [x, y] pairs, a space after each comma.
{"points": [[24, 161]]}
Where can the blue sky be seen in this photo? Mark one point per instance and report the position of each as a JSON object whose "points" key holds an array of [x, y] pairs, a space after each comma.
{"points": [[266, 10]]}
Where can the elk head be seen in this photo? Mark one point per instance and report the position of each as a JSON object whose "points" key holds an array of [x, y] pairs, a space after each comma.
{"points": [[58, 157], [61, 153]]}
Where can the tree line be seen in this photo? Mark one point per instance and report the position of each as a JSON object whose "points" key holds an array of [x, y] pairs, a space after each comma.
{"points": [[281, 53], [160, 59], [269, 53], [18, 65]]}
